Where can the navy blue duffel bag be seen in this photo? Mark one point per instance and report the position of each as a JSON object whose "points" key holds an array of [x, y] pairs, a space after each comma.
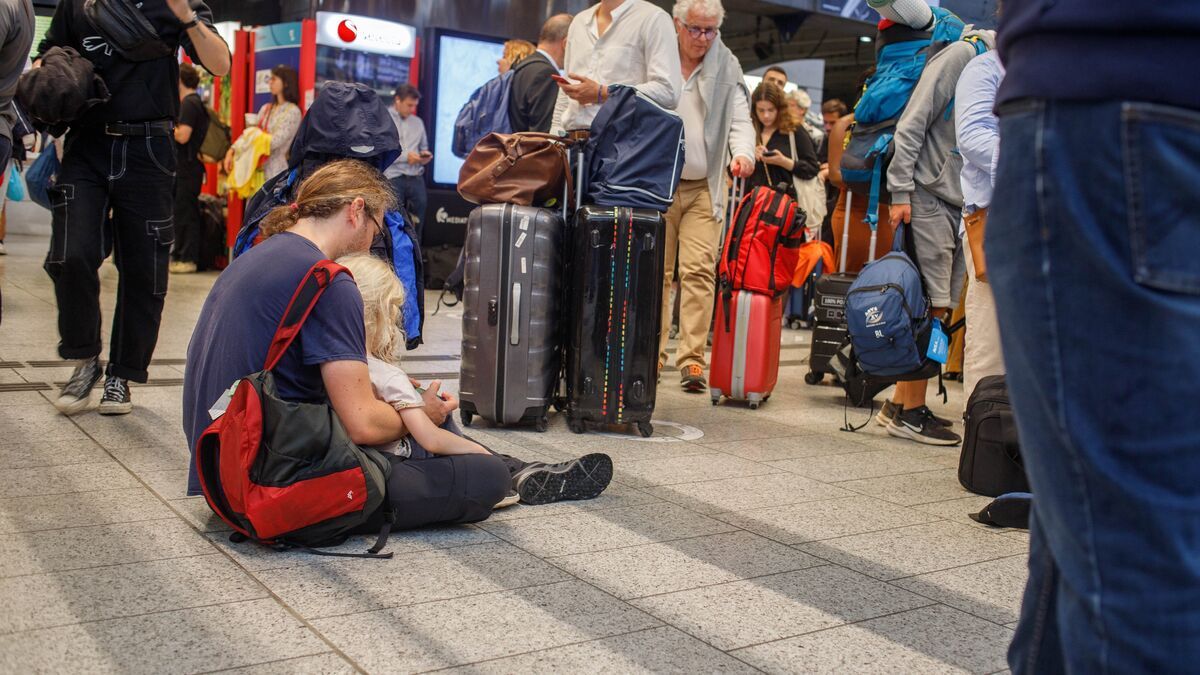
{"points": [[635, 152]]}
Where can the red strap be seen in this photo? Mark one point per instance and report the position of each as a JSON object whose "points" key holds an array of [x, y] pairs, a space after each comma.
{"points": [[300, 306]]}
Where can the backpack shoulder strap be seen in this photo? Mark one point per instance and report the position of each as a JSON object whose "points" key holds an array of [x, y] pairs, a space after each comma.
{"points": [[318, 278]]}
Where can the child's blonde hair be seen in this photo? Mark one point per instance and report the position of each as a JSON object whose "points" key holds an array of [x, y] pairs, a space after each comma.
{"points": [[383, 303]]}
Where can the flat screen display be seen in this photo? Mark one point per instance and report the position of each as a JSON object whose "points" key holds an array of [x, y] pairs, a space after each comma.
{"points": [[380, 72], [856, 9], [464, 63]]}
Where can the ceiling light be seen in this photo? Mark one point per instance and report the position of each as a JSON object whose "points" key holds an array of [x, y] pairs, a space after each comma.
{"points": [[866, 38]]}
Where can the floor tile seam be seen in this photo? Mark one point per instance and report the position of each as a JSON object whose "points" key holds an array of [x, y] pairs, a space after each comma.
{"points": [[559, 556], [937, 520], [774, 472], [83, 527], [319, 561], [831, 499], [266, 663], [524, 587], [123, 617], [844, 624], [779, 505], [890, 475], [954, 567], [944, 603], [547, 649], [106, 566], [823, 563], [571, 513]]}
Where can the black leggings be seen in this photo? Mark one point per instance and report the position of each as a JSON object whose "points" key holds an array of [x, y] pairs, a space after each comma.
{"points": [[427, 489]]}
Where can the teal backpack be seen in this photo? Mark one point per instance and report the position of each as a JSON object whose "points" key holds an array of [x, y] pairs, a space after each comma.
{"points": [[902, 55]]}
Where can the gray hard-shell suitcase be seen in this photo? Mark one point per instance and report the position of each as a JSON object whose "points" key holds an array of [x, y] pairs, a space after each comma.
{"points": [[511, 323]]}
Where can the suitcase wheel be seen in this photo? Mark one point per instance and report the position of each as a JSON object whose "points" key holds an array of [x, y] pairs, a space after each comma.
{"points": [[716, 400], [541, 424], [813, 377], [754, 405], [576, 426], [645, 429], [466, 416]]}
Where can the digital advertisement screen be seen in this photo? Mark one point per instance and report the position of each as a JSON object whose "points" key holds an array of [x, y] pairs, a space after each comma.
{"points": [[856, 9], [463, 65], [380, 72]]}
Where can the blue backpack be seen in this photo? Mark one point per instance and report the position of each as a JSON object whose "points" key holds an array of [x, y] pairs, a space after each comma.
{"points": [[888, 317], [348, 121], [484, 113], [634, 152], [899, 63]]}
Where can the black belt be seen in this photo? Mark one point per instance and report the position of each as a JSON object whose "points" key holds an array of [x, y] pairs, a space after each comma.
{"points": [[158, 128]]}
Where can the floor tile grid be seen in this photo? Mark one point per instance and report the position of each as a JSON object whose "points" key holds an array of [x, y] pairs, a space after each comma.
{"points": [[303, 620]]}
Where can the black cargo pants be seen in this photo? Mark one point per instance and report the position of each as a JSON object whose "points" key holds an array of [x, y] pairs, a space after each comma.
{"points": [[114, 194]]}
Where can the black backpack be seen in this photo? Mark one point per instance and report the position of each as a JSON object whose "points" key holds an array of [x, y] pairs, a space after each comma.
{"points": [[990, 463]]}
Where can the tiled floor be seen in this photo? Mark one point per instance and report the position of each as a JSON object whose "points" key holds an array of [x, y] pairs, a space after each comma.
{"points": [[768, 541]]}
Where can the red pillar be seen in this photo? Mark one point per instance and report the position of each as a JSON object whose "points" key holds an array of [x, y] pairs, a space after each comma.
{"points": [[241, 82]]}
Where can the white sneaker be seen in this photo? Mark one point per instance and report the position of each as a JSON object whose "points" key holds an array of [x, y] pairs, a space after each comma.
{"points": [[181, 267], [3, 251]]}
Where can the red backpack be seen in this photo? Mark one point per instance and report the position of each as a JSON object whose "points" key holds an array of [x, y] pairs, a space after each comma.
{"points": [[762, 245], [285, 473]]}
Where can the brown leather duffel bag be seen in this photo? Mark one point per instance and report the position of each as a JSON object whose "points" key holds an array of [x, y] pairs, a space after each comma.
{"points": [[526, 169]]}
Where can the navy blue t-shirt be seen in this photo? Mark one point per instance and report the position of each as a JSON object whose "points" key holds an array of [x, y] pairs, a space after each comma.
{"points": [[239, 319]]}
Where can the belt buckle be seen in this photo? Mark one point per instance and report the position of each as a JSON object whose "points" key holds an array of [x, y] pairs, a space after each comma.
{"points": [[108, 130]]}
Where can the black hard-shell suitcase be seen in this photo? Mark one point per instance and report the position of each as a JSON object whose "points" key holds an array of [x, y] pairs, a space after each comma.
{"points": [[990, 463], [511, 324], [616, 294]]}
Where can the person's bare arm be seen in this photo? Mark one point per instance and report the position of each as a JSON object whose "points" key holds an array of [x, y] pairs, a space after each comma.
{"points": [[436, 440], [212, 50], [367, 420], [183, 134]]}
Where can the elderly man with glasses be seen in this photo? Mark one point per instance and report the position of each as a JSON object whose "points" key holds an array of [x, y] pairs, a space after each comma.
{"points": [[716, 118]]}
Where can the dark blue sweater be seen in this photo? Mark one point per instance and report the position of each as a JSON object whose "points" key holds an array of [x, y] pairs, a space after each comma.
{"points": [[1134, 50]]}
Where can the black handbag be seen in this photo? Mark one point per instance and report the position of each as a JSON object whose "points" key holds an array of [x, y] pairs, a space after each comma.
{"points": [[126, 29], [990, 463]]}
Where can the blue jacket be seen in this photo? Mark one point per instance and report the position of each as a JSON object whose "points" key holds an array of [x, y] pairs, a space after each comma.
{"points": [[1137, 51]]}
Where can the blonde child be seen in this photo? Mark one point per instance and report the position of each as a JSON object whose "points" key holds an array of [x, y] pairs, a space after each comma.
{"points": [[383, 297]]}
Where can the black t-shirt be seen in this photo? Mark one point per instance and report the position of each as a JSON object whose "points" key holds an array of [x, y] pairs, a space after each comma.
{"points": [[142, 91], [193, 114]]}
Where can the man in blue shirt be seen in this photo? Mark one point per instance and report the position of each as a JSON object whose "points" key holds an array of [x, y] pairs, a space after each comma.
{"points": [[978, 140], [1093, 251], [407, 174]]}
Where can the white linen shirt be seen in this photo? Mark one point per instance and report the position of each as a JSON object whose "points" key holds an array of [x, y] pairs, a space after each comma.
{"points": [[691, 110], [639, 49]]}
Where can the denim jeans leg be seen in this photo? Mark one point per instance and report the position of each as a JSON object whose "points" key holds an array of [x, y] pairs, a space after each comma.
{"points": [[1091, 252]]}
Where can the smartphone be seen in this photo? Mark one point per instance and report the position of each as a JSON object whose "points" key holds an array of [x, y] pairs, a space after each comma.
{"points": [[426, 153], [770, 153], [562, 80]]}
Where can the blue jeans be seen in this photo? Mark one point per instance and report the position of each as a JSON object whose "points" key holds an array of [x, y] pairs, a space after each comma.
{"points": [[1093, 246], [410, 194]]}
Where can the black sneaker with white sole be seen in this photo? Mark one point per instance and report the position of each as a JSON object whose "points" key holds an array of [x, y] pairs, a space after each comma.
{"points": [[76, 393], [940, 421], [116, 400], [919, 425], [887, 412], [583, 478]]}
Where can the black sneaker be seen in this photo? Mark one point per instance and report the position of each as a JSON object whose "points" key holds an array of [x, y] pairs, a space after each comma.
{"points": [[76, 393], [919, 426], [116, 399], [583, 478], [940, 421]]}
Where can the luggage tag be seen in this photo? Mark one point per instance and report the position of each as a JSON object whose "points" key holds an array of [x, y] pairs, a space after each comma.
{"points": [[222, 403], [939, 344]]}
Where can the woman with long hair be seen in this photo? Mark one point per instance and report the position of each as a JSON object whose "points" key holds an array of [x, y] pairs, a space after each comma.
{"points": [[280, 117], [783, 154]]}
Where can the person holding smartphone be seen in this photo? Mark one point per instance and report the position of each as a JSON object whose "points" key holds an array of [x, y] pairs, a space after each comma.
{"points": [[782, 153], [407, 173]]}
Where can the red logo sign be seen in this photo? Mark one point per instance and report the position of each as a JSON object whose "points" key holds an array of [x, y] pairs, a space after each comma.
{"points": [[347, 31]]}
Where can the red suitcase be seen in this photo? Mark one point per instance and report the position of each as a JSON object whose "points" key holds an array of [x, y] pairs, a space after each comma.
{"points": [[745, 351]]}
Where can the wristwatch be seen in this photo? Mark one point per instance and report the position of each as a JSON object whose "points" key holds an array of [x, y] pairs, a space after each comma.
{"points": [[192, 21]]}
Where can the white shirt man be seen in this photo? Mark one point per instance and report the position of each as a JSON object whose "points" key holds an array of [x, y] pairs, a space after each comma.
{"points": [[629, 42]]}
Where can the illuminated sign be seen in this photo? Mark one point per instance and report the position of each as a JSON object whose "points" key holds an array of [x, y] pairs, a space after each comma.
{"points": [[364, 34]]}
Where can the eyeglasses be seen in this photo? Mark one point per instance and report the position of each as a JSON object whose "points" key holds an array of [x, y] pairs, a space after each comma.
{"points": [[709, 34], [378, 224]]}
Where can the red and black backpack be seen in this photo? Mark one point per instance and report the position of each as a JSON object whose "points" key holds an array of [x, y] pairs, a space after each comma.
{"points": [[286, 473], [762, 245]]}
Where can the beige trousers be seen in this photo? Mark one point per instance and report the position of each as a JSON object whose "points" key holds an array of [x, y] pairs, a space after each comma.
{"points": [[694, 234], [981, 352]]}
